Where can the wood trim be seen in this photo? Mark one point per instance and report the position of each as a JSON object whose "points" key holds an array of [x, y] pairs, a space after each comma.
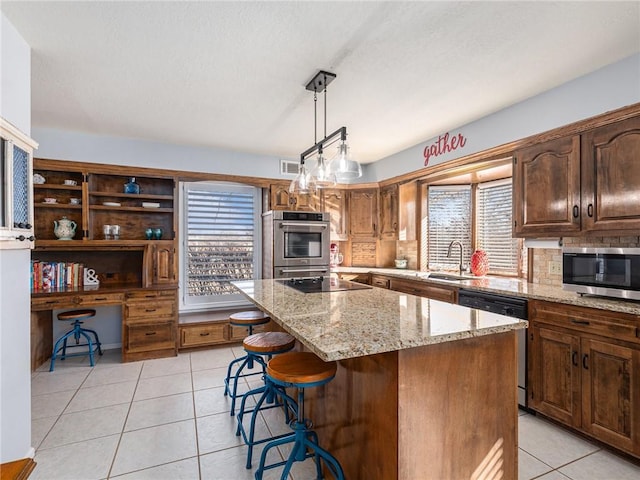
{"points": [[17, 470], [9, 129]]}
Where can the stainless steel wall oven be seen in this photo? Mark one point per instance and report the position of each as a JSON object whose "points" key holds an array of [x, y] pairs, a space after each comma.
{"points": [[296, 244]]}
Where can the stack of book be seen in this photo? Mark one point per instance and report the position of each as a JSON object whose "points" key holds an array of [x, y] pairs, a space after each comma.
{"points": [[56, 275]]}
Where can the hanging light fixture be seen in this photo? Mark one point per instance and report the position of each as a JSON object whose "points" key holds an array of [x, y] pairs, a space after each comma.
{"points": [[325, 173]]}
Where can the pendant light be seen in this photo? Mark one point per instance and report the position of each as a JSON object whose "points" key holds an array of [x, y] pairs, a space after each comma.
{"points": [[325, 173]]}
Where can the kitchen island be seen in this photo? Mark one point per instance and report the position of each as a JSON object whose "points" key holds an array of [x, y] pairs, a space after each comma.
{"points": [[424, 389]]}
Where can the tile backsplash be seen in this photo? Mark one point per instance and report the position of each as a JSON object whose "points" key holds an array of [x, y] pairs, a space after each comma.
{"points": [[547, 262]]}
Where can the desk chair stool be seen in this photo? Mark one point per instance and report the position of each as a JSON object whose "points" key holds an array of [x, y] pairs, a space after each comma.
{"points": [[247, 319], [264, 344], [300, 370], [76, 332]]}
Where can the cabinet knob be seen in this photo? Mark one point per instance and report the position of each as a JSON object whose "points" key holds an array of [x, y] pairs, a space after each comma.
{"points": [[576, 211], [585, 359], [590, 210]]}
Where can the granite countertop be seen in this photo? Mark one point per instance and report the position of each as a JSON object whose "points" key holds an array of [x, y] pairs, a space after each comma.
{"points": [[513, 287], [349, 324]]}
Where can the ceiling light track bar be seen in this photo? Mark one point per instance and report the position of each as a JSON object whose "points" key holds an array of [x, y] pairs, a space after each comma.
{"points": [[318, 147]]}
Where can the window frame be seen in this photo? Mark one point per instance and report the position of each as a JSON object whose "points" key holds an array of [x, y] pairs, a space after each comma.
{"points": [[188, 303]]}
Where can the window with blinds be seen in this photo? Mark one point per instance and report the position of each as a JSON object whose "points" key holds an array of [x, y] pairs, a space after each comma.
{"points": [[449, 219], [220, 239], [493, 227]]}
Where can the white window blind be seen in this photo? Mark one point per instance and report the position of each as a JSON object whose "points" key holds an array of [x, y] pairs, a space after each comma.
{"points": [[220, 242], [493, 227], [449, 218]]}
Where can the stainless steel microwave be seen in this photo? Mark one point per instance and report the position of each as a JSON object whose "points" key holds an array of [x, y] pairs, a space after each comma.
{"points": [[610, 272]]}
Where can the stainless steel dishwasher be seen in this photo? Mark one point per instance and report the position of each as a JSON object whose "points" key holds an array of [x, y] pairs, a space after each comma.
{"points": [[511, 307]]}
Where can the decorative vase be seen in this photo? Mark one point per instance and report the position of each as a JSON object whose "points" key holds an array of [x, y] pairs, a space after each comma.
{"points": [[479, 263], [131, 186], [64, 228], [157, 233], [148, 233]]}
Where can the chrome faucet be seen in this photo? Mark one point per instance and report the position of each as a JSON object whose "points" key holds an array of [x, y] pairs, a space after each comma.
{"points": [[456, 242]]}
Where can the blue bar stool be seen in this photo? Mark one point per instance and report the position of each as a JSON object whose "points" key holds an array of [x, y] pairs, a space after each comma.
{"points": [[300, 370], [76, 332], [272, 396], [247, 319]]}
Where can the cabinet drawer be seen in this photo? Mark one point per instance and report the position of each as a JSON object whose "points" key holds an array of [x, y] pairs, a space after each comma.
{"points": [[99, 299], [150, 294], [51, 303], [72, 301], [237, 334], [150, 310], [143, 338], [422, 289], [378, 281], [587, 320], [196, 335]]}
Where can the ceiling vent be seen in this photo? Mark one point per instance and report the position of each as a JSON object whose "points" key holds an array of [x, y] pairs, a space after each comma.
{"points": [[289, 168]]}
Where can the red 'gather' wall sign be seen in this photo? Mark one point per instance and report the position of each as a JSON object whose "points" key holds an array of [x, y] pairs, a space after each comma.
{"points": [[444, 144]]}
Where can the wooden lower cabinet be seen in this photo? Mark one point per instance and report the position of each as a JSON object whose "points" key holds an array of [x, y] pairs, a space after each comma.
{"points": [[582, 379], [209, 333], [198, 335], [423, 289], [149, 327]]}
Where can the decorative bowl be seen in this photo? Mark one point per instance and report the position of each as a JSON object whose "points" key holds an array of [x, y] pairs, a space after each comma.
{"points": [[401, 262]]}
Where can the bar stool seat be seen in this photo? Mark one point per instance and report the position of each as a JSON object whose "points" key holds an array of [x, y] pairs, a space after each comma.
{"points": [[300, 370], [272, 396], [76, 332], [248, 319]]}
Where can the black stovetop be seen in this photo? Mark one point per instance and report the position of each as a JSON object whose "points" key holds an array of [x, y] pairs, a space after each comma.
{"points": [[322, 284]]}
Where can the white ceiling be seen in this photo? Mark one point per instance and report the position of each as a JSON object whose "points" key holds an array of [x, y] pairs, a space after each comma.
{"points": [[232, 74]]}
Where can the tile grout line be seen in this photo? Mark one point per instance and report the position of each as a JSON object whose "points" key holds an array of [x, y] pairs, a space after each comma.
{"points": [[124, 424], [195, 415]]}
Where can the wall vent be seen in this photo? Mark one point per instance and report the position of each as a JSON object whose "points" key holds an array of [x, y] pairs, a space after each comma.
{"points": [[288, 167]]}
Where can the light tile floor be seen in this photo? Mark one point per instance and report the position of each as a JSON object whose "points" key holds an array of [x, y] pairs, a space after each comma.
{"points": [[168, 419]]}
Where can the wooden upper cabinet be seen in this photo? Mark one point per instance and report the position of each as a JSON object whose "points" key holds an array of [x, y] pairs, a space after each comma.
{"points": [[546, 188], [389, 212], [281, 199], [407, 211], [334, 201], [611, 177], [363, 213]]}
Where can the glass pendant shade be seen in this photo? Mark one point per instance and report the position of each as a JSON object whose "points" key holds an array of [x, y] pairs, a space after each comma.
{"points": [[300, 184], [343, 166], [322, 176]]}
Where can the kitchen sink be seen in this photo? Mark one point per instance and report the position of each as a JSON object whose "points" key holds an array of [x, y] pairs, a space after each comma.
{"points": [[445, 276]]}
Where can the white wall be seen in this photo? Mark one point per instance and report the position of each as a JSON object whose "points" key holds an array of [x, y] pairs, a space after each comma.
{"points": [[15, 326], [609, 88], [15, 77], [84, 147]]}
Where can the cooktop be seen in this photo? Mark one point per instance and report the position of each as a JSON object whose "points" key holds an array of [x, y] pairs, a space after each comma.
{"points": [[322, 284]]}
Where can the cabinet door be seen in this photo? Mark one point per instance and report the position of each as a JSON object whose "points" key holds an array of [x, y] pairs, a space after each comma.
{"points": [[279, 197], [389, 213], [407, 211], [334, 201], [555, 371], [611, 177], [546, 188], [164, 264], [363, 213], [610, 393]]}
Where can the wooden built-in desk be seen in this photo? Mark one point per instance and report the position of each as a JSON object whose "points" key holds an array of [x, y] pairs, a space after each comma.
{"points": [[149, 319]]}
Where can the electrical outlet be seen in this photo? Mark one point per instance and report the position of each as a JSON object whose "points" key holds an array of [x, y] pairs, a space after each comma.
{"points": [[555, 268]]}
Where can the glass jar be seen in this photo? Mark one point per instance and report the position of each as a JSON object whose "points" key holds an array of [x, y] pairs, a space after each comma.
{"points": [[131, 186]]}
